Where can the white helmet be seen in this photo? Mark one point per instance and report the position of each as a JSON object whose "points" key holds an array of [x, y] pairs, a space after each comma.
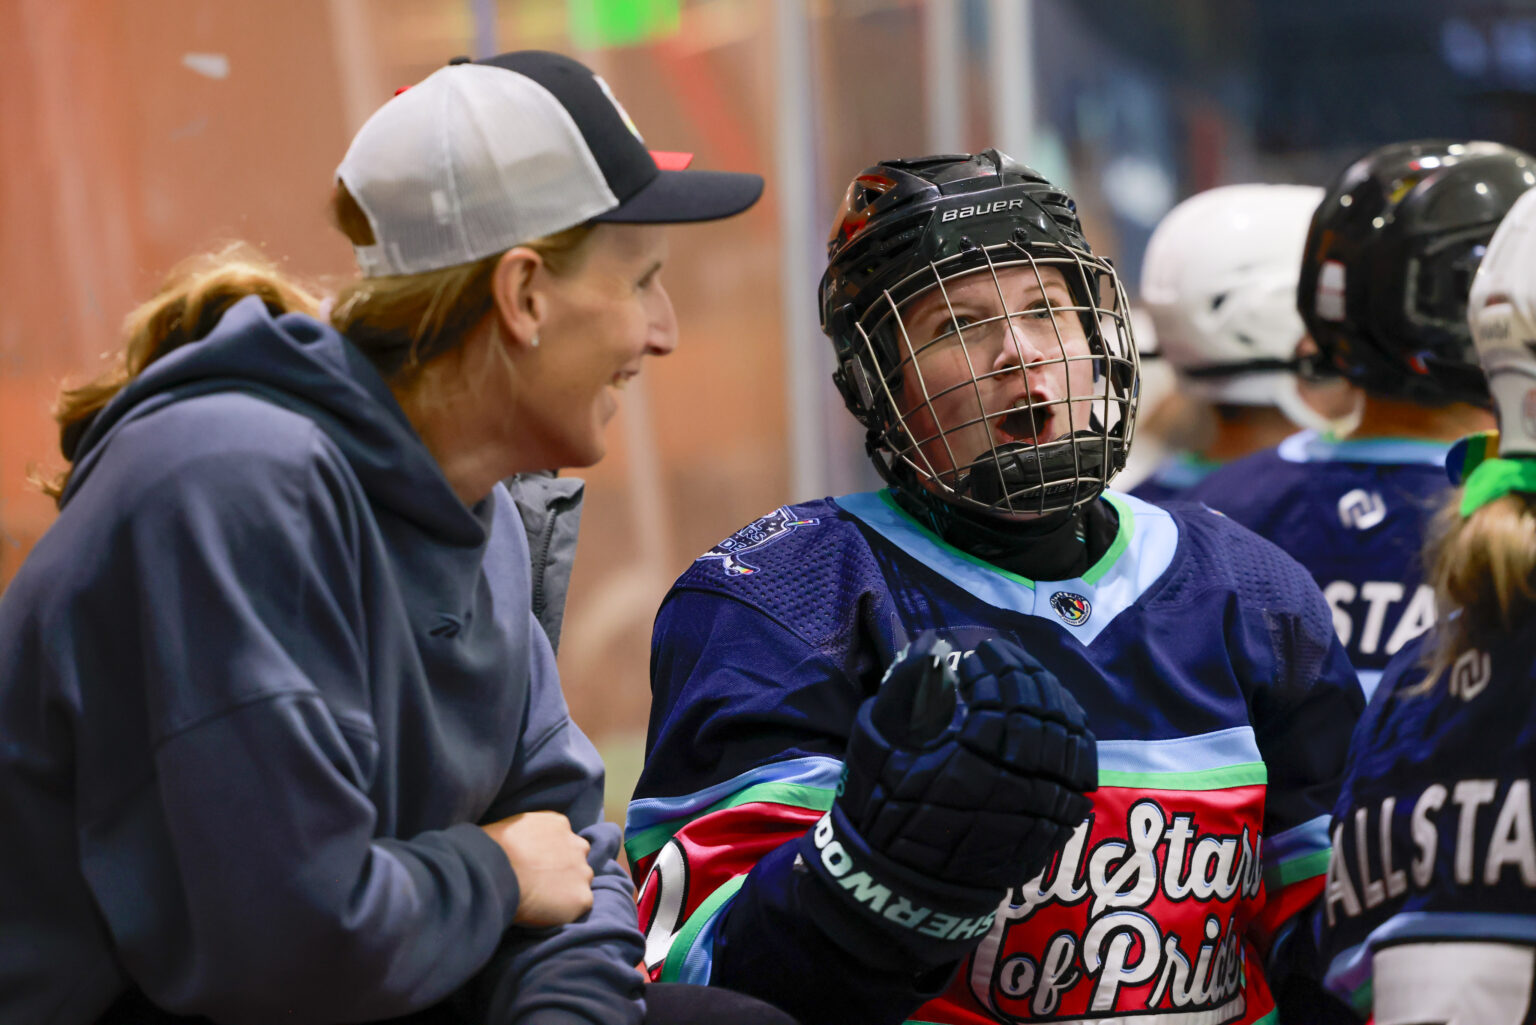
{"points": [[1219, 279], [1502, 315]]}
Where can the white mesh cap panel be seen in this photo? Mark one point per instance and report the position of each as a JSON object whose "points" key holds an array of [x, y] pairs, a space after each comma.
{"points": [[471, 161]]}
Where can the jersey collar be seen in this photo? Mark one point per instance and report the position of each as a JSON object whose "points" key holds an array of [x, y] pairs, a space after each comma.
{"points": [[1142, 549], [1312, 447]]}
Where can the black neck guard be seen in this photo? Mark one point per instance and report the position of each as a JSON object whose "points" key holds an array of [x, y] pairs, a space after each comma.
{"points": [[1056, 547]]}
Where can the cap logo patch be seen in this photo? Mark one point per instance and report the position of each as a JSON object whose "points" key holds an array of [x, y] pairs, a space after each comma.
{"points": [[1330, 291], [629, 122], [1074, 609]]}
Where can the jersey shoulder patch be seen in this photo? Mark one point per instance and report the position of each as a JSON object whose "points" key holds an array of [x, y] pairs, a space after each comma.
{"points": [[805, 565], [736, 555]]}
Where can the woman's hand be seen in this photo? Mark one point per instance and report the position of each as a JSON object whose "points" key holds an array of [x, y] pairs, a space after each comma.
{"points": [[553, 878]]}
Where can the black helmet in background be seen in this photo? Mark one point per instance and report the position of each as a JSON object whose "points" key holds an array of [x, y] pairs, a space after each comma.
{"points": [[908, 236], [1389, 262]]}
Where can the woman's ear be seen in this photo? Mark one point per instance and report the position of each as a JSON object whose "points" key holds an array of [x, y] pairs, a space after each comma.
{"points": [[521, 304]]}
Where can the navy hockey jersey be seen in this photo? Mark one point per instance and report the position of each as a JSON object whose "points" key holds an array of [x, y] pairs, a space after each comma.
{"points": [[1431, 889], [1207, 665], [1353, 512], [1173, 477]]}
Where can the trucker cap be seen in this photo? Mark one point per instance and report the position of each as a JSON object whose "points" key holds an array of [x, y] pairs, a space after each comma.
{"points": [[482, 156]]}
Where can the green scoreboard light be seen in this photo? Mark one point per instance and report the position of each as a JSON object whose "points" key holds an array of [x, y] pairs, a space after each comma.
{"points": [[597, 24]]}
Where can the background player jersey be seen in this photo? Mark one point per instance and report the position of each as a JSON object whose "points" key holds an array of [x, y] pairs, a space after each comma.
{"points": [[1207, 666], [1431, 895], [1174, 476], [1353, 512]]}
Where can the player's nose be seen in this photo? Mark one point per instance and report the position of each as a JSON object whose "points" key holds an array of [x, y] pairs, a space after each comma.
{"points": [[1021, 345]]}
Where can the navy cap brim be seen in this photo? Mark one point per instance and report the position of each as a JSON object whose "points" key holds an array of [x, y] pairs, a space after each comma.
{"points": [[677, 197]]}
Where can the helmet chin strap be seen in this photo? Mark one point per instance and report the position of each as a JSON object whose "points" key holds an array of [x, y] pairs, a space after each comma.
{"points": [[1046, 472], [1288, 399]]}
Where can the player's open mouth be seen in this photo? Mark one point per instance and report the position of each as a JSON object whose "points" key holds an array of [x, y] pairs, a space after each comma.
{"points": [[1025, 422], [623, 377]]}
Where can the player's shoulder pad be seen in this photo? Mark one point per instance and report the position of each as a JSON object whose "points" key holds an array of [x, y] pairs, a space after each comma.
{"points": [[1222, 553], [1282, 619], [791, 563], [1250, 486]]}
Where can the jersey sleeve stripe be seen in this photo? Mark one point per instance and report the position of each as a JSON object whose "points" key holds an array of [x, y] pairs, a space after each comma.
{"points": [[1218, 749], [651, 821], [794, 795], [1251, 774], [1349, 973], [692, 952], [1298, 869], [1349, 976], [1298, 841]]}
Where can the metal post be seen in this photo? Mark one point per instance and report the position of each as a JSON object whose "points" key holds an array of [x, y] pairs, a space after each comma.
{"points": [[483, 12], [794, 180], [944, 87], [1011, 76]]}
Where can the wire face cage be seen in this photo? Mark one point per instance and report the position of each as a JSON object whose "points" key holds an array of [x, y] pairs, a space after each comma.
{"points": [[1005, 383]]}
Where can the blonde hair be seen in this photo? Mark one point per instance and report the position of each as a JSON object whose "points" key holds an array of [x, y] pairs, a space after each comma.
{"points": [[399, 323], [403, 321], [1483, 566]]}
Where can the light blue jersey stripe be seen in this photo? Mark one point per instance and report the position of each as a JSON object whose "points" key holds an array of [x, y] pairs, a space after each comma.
{"points": [[813, 770], [1370, 679], [1200, 753], [1312, 447], [1184, 470], [1149, 539], [1351, 969]]}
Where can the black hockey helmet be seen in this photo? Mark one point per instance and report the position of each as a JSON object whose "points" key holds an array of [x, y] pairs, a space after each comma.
{"points": [[1389, 262], [909, 228]]}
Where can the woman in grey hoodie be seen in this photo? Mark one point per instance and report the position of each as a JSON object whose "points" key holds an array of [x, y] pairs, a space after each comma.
{"points": [[282, 737]]}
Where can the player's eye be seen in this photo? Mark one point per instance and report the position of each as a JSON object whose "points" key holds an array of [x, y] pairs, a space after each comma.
{"points": [[1038, 309], [953, 325], [648, 279]]}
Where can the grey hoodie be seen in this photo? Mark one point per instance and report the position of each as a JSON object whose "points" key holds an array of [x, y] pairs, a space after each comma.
{"points": [[261, 679]]}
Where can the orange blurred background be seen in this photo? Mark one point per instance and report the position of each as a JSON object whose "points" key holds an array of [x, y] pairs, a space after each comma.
{"points": [[136, 133]]}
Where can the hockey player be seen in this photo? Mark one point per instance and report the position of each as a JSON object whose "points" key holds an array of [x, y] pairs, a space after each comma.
{"points": [[1219, 280], [1430, 913], [986, 350], [1383, 291]]}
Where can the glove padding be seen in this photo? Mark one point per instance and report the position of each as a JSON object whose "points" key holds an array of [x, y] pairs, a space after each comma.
{"points": [[973, 775]]}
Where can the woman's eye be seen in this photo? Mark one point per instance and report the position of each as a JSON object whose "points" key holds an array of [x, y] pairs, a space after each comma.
{"points": [[955, 324], [648, 280], [1038, 310]]}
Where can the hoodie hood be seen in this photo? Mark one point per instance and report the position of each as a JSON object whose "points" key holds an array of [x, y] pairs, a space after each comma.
{"points": [[303, 365]]}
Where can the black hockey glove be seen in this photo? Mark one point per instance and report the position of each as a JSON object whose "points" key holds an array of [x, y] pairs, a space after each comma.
{"points": [[958, 783]]}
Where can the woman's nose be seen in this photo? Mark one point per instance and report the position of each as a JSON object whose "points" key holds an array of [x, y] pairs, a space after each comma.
{"points": [[661, 333]]}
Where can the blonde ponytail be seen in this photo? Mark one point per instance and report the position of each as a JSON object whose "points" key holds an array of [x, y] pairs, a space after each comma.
{"points": [[1485, 567], [185, 308]]}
